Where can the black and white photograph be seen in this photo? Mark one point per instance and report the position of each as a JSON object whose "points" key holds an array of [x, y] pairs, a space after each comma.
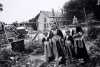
{"points": [[49, 33]]}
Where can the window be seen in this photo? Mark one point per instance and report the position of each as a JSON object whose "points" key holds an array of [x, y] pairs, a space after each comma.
{"points": [[45, 25], [45, 20]]}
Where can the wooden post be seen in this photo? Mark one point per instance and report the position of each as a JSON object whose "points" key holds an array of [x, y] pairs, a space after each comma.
{"points": [[5, 34], [84, 12]]}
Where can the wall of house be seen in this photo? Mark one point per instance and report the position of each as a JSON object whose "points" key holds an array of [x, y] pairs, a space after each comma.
{"points": [[49, 20], [44, 22], [40, 22]]}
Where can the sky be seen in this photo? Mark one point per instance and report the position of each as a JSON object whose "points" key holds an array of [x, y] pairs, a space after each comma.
{"points": [[23, 10]]}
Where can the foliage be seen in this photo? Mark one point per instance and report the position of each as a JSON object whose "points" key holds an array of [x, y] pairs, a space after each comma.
{"points": [[81, 8], [5, 54], [92, 33]]}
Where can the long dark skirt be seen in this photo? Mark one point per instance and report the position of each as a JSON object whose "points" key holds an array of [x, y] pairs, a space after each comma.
{"points": [[52, 56], [73, 52], [61, 51], [70, 50], [81, 51]]}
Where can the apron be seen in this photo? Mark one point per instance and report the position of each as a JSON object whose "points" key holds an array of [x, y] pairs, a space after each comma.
{"points": [[47, 49]]}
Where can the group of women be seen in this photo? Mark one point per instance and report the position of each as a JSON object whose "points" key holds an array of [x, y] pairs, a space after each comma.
{"points": [[68, 47]]}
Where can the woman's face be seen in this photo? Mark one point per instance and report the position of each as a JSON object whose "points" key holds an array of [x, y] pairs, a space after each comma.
{"points": [[46, 34], [68, 33], [54, 32]]}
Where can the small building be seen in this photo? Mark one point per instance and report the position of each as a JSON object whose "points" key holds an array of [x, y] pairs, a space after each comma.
{"points": [[45, 20]]}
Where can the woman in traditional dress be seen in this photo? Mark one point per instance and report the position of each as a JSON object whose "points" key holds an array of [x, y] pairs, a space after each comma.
{"points": [[47, 48], [58, 45], [69, 43], [51, 45], [80, 48]]}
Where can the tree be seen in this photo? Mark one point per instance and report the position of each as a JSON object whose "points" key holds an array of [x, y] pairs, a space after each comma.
{"points": [[82, 9], [85, 11]]}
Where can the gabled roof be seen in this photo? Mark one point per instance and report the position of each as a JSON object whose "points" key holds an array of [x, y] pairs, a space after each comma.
{"points": [[50, 14], [46, 13], [35, 19]]}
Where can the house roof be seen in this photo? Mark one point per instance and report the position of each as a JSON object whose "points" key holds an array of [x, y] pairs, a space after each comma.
{"points": [[34, 19], [46, 13], [51, 14]]}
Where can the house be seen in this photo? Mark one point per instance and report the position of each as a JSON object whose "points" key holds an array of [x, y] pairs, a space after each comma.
{"points": [[45, 20]]}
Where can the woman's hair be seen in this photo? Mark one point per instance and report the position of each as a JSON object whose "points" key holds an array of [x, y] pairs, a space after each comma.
{"points": [[45, 33], [68, 31], [79, 29], [51, 34], [59, 32]]}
